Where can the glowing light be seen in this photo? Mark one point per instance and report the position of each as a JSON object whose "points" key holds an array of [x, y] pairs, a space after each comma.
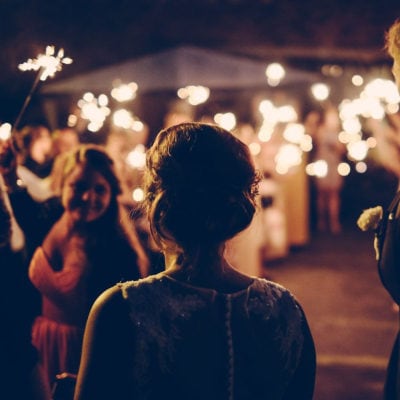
{"points": [[195, 95], [287, 114], [294, 133], [5, 131], [357, 80], [93, 111], [383, 89], [281, 169], [255, 148], [122, 118], [392, 108], [48, 63], [365, 105], [349, 109], [273, 114], [87, 97], [344, 137], [318, 168], [358, 150], [266, 107], [138, 195], [265, 132], [137, 157], [124, 92], [371, 107], [289, 155], [343, 169], [275, 73], [361, 167], [349, 137], [320, 91], [102, 100], [72, 120], [226, 120], [137, 126], [332, 70], [269, 112], [351, 125], [306, 143]]}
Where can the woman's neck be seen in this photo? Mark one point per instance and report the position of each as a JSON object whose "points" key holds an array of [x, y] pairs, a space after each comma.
{"points": [[216, 274]]}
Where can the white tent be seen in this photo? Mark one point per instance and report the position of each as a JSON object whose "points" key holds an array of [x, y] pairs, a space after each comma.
{"points": [[175, 68]]}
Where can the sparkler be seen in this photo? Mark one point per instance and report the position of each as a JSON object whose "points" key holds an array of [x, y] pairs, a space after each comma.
{"points": [[47, 65]]}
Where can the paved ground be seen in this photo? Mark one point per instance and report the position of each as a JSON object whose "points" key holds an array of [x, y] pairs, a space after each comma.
{"points": [[350, 314]]}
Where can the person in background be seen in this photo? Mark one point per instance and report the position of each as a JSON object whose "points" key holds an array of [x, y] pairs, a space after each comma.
{"points": [[388, 235], [200, 329], [35, 159], [330, 151], [22, 376], [392, 44], [82, 243], [64, 140]]}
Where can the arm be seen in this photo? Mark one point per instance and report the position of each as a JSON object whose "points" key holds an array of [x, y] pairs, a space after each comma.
{"points": [[388, 263], [105, 367], [303, 381], [39, 384], [33, 217]]}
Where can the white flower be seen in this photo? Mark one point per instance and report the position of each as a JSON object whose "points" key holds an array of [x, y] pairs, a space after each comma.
{"points": [[370, 218]]}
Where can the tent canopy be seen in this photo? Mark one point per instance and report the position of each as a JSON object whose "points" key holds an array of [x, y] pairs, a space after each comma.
{"points": [[175, 68]]}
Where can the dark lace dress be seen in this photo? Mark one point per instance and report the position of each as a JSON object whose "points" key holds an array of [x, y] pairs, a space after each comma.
{"points": [[194, 343]]}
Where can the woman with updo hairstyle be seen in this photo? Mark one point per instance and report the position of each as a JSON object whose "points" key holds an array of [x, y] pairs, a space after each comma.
{"points": [[201, 189], [200, 329]]}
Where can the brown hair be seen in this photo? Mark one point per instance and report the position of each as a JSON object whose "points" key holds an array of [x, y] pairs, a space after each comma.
{"points": [[97, 158], [200, 187], [392, 40], [93, 156]]}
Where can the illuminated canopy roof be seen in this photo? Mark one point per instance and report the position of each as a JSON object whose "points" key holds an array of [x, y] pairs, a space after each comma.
{"points": [[177, 67]]}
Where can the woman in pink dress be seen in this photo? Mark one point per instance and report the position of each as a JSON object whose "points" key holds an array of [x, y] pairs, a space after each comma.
{"points": [[85, 243]]}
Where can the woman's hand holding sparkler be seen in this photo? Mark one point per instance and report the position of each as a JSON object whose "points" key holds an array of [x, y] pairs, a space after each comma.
{"points": [[46, 66]]}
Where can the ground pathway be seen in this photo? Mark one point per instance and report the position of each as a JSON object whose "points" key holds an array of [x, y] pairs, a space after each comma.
{"points": [[350, 314]]}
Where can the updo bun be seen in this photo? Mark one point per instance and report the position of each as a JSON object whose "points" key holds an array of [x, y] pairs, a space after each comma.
{"points": [[200, 185]]}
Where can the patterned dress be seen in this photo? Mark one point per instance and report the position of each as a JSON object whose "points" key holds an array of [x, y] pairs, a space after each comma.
{"points": [[196, 343]]}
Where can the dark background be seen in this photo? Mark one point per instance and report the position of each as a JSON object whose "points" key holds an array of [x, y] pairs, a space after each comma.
{"points": [[96, 33], [304, 34]]}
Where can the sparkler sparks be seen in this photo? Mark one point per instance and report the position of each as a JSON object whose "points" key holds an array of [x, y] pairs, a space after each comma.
{"points": [[47, 63]]}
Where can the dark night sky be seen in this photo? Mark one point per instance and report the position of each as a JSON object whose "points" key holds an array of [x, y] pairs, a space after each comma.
{"points": [[97, 33]]}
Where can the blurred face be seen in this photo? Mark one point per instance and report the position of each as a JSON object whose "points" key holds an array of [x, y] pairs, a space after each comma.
{"points": [[86, 194], [67, 140], [41, 146]]}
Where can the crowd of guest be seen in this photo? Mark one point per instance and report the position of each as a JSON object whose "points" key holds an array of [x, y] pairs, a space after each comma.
{"points": [[75, 238], [79, 232], [104, 300]]}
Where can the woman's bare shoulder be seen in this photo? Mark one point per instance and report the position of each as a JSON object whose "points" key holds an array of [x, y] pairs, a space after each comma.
{"points": [[108, 304]]}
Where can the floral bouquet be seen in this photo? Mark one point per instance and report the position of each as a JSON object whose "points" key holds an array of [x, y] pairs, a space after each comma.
{"points": [[369, 220]]}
